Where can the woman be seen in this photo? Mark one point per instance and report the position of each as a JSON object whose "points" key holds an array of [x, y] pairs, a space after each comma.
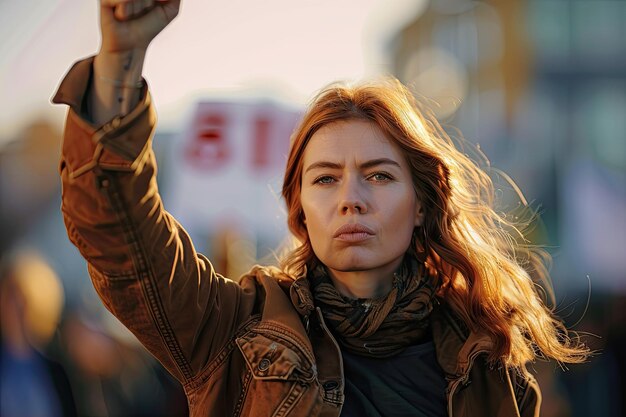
{"points": [[405, 296]]}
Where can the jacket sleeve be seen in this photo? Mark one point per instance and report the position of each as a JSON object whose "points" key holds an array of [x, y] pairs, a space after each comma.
{"points": [[141, 261]]}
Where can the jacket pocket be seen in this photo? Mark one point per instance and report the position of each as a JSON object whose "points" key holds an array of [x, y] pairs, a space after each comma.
{"points": [[283, 378], [270, 358]]}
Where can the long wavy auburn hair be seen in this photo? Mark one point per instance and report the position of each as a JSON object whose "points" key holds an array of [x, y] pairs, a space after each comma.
{"points": [[478, 259]]}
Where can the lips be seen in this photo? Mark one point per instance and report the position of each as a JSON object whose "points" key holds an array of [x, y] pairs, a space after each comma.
{"points": [[353, 232]]}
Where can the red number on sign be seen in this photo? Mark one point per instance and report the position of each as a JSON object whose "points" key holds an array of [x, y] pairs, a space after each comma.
{"points": [[208, 148], [261, 143]]}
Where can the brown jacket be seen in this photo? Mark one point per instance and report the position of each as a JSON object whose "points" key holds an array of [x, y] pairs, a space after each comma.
{"points": [[239, 349]]}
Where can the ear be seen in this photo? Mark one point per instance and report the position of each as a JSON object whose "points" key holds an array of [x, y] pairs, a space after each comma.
{"points": [[419, 214]]}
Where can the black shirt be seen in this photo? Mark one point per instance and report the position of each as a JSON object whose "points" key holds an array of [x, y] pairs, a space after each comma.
{"points": [[409, 384]]}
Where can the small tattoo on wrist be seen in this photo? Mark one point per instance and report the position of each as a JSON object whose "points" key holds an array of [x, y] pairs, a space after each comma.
{"points": [[128, 61]]}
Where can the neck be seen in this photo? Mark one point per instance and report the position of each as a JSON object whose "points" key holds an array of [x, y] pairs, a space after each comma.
{"points": [[374, 283]]}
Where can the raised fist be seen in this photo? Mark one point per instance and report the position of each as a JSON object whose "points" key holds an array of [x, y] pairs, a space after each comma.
{"points": [[132, 24]]}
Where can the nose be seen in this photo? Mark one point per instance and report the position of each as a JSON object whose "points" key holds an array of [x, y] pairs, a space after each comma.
{"points": [[352, 200]]}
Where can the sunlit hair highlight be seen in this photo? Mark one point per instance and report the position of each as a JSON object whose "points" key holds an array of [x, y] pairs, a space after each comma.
{"points": [[479, 260]]}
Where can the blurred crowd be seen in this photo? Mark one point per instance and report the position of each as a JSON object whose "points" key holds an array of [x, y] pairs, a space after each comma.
{"points": [[57, 359]]}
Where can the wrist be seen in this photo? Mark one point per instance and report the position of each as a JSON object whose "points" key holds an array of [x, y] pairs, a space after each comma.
{"points": [[116, 84], [124, 67]]}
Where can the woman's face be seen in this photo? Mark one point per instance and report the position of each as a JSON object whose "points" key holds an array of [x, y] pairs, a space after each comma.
{"points": [[359, 203]]}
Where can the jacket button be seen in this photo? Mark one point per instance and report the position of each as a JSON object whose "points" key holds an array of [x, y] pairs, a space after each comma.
{"points": [[264, 364], [330, 385]]}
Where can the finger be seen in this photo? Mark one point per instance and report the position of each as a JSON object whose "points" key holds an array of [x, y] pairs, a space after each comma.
{"points": [[122, 10], [130, 9], [113, 10], [148, 4], [138, 9], [143, 7], [170, 7]]}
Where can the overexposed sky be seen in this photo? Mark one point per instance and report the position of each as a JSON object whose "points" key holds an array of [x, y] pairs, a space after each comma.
{"points": [[284, 49]]}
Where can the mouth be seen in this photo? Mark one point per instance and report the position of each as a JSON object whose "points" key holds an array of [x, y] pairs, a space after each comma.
{"points": [[353, 232]]}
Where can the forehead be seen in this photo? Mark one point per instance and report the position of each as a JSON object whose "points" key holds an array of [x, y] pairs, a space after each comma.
{"points": [[350, 140]]}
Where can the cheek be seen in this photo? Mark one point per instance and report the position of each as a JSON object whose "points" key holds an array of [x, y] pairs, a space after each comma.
{"points": [[306, 211], [314, 224], [403, 217], [311, 224], [307, 219]]}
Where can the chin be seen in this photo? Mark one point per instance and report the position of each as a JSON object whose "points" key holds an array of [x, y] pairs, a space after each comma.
{"points": [[352, 263], [358, 261], [352, 268]]}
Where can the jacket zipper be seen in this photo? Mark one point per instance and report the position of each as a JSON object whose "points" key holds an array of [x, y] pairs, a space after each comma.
{"points": [[462, 379], [320, 319]]}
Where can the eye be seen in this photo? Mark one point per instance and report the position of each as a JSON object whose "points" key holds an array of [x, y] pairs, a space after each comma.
{"points": [[380, 177], [324, 180]]}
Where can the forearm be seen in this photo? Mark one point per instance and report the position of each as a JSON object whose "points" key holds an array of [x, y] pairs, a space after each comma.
{"points": [[116, 86]]}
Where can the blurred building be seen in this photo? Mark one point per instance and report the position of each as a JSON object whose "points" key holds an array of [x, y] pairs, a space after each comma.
{"points": [[540, 87]]}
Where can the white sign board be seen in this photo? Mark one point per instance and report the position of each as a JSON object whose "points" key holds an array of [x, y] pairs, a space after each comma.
{"points": [[227, 168]]}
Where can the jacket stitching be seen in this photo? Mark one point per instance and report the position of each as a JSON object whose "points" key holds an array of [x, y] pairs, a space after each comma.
{"points": [[214, 365], [285, 407], [244, 393], [146, 276], [120, 276], [207, 372], [110, 132], [288, 336]]}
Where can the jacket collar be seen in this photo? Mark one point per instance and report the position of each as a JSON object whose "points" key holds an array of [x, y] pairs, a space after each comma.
{"points": [[301, 296], [456, 347], [274, 306]]}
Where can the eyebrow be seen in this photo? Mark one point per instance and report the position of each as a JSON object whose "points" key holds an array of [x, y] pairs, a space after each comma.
{"points": [[367, 164]]}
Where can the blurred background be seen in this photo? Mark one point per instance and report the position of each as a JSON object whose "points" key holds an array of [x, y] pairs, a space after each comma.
{"points": [[539, 86]]}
